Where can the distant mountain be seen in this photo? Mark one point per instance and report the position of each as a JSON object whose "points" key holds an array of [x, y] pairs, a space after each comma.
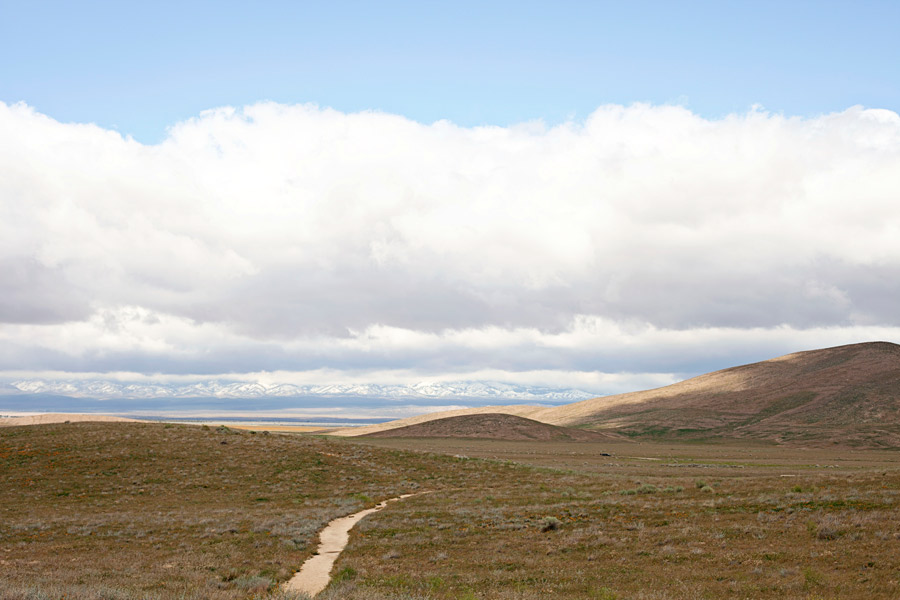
{"points": [[459, 390], [496, 426], [6, 389], [846, 395]]}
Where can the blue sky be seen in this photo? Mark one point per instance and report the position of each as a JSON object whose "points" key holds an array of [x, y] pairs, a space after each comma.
{"points": [[308, 196], [141, 67]]}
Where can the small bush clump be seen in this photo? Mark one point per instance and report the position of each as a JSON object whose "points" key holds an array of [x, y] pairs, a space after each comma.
{"points": [[550, 524], [827, 532]]}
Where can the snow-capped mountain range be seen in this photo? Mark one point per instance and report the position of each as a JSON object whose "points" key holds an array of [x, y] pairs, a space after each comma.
{"points": [[106, 389]]}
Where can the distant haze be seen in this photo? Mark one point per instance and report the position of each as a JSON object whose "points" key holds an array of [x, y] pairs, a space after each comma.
{"points": [[223, 398]]}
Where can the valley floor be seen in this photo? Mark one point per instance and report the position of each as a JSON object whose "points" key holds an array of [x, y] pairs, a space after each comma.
{"points": [[127, 511]]}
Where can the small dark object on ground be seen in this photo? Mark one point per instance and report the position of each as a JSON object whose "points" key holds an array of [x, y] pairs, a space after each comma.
{"points": [[550, 524]]}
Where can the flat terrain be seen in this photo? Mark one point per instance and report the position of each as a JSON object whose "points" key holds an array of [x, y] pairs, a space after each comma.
{"points": [[648, 521], [281, 428], [608, 456], [50, 418], [121, 510]]}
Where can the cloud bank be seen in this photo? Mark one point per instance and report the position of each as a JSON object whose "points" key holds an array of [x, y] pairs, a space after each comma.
{"points": [[645, 239]]}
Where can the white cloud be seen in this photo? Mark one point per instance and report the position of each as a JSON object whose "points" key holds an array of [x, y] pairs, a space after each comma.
{"points": [[296, 239]]}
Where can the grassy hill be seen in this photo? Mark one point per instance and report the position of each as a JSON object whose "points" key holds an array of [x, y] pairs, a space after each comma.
{"points": [[847, 395], [495, 426]]}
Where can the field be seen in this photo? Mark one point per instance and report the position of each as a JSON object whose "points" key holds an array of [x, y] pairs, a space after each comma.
{"points": [[121, 511]]}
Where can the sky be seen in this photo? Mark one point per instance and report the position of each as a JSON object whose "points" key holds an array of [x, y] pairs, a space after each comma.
{"points": [[592, 196]]}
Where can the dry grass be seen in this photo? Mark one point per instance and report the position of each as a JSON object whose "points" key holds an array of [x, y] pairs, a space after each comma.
{"points": [[122, 511], [668, 522], [172, 511]]}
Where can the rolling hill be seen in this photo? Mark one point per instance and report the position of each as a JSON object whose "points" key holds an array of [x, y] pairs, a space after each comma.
{"points": [[846, 395], [496, 426]]}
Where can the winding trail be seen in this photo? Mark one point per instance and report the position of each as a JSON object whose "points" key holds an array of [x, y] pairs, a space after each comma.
{"points": [[314, 575]]}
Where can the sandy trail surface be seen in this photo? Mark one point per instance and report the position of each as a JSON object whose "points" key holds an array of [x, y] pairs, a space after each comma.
{"points": [[314, 575]]}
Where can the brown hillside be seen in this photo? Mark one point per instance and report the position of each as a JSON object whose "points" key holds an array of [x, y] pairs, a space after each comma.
{"points": [[497, 427], [522, 410], [847, 395]]}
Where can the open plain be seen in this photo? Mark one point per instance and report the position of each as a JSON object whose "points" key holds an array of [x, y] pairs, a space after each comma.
{"points": [[139, 510]]}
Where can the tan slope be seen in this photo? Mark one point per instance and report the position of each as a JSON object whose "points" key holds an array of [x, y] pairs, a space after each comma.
{"points": [[849, 385], [846, 394], [60, 418], [565, 415], [496, 426]]}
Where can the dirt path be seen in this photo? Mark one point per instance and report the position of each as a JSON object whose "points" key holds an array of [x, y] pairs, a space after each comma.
{"points": [[314, 575]]}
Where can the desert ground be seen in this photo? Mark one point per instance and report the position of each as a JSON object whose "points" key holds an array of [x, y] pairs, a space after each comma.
{"points": [[51, 418], [144, 510]]}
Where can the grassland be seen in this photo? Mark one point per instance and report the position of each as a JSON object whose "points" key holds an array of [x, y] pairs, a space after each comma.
{"points": [[171, 511], [154, 511]]}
